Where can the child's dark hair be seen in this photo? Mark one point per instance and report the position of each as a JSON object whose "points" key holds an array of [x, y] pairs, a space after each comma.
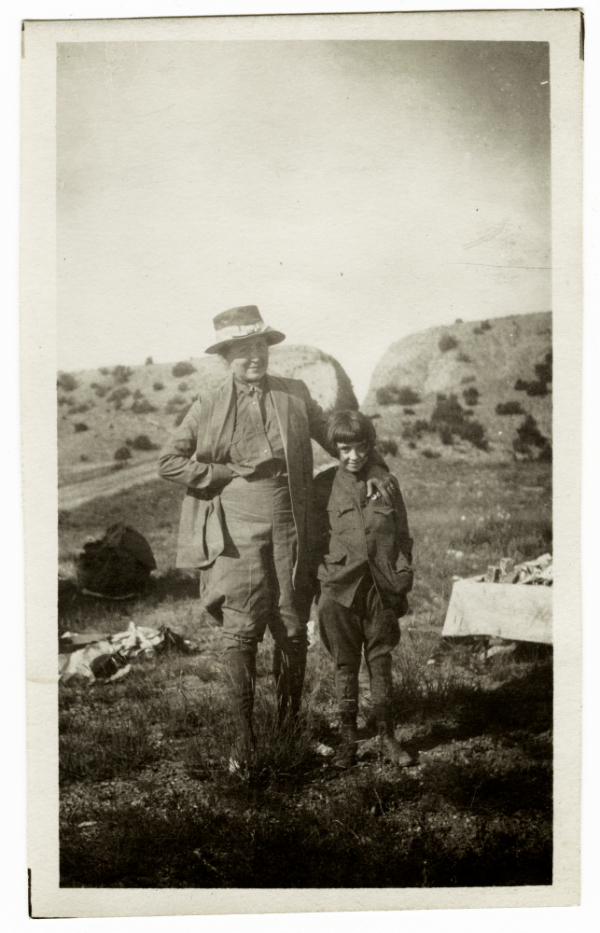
{"points": [[347, 427]]}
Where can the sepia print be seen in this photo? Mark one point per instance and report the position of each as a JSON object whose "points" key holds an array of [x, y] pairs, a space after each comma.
{"points": [[308, 292]]}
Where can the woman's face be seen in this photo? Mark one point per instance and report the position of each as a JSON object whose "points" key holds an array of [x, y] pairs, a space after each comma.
{"points": [[248, 359]]}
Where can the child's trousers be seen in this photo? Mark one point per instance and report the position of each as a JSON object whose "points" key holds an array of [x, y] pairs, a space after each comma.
{"points": [[367, 625]]}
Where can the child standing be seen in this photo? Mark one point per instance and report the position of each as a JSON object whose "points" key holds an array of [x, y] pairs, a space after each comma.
{"points": [[364, 552]]}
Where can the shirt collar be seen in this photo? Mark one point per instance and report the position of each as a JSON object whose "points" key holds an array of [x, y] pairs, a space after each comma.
{"points": [[250, 388]]}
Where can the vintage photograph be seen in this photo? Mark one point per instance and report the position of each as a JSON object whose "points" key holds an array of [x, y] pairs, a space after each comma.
{"points": [[304, 385]]}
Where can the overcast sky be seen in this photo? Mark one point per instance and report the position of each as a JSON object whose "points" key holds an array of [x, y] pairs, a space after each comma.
{"points": [[356, 191]]}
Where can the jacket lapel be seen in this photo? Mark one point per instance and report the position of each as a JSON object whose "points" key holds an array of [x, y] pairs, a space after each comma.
{"points": [[281, 404], [222, 421]]}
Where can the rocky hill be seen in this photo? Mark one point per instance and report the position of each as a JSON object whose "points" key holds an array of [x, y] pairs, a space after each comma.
{"points": [[129, 411], [473, 389]]}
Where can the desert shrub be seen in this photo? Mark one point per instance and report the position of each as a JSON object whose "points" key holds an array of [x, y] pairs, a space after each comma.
{"points": [[509, 408], [529, 438], [67, 382], [447, 342], [142, 406], [463, 357], [412, 445], [430, 454], [123, 453], [149, 361], [142, 442], [471, 395], [158, 386], [121, 374], [537, 388], [449, 415], [446, 436], [175, 404], [474, 432], [477, 330], [84, 458], [104, 371], [80, 409], [138, 394], [183, 387], [485, 325], [392, 395], [409, 411], [416, 429], [466, 379], [544, 370], [100, 390], [184, 368], [458, 320], [80, 426], [65, 400], [117, 395], [387, 446]]}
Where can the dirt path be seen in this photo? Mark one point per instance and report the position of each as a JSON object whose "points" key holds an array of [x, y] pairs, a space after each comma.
{"points": [[73, 495]]}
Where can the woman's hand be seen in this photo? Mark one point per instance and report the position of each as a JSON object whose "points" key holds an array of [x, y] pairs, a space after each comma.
{"points": [[382, 487]]}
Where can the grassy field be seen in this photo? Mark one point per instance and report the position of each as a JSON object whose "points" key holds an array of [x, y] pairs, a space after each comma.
{"points": [[146, 797]]}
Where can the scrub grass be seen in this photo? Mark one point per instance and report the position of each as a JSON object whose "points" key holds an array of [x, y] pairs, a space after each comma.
{"points": [[147, 798]]}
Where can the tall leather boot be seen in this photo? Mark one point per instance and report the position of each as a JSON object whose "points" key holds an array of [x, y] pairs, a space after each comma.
{"points": [[241, 670], [289, 667], [380, 670]]}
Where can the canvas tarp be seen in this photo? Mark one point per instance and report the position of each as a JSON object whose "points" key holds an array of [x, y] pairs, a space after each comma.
{"points": [[512, 612]]}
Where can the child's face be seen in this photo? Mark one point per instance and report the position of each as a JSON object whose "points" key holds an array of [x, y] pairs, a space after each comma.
{"points": [[353, 455]]}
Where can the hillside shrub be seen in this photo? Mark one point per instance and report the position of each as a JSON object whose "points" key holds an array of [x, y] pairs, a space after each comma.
{"points": [[509, 408], [123, 453], [104, 371], [463, 357], [175, 404], [184, 368], [100, 390], [67, 382], [471, 395], [80, 409], [80, 426], [446, 436], [447, 342], [142, 406], [117, 395], [538, 386], [409, 411], [477, 330], [387, 446], [65, 400], [530, 439], [448, 415], [149, 361], [138, 394], [121, 374], [485, 325], [416, 429], [158, 386], [183, 387], [394, 395], [141, 442], [430, 454], [467, 379]]}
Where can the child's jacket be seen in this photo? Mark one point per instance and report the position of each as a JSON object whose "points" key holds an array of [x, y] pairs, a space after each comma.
{"points": [[354, 534]]}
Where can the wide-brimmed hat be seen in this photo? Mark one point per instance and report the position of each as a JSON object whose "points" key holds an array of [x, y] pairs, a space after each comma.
{"points": [[239, 323]]}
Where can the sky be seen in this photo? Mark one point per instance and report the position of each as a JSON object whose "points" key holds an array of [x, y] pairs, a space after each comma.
{"points": [[356, 191]]}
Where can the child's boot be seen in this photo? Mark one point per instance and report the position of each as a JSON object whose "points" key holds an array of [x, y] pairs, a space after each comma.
{"points": [[389, 746], [345, 756]]}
